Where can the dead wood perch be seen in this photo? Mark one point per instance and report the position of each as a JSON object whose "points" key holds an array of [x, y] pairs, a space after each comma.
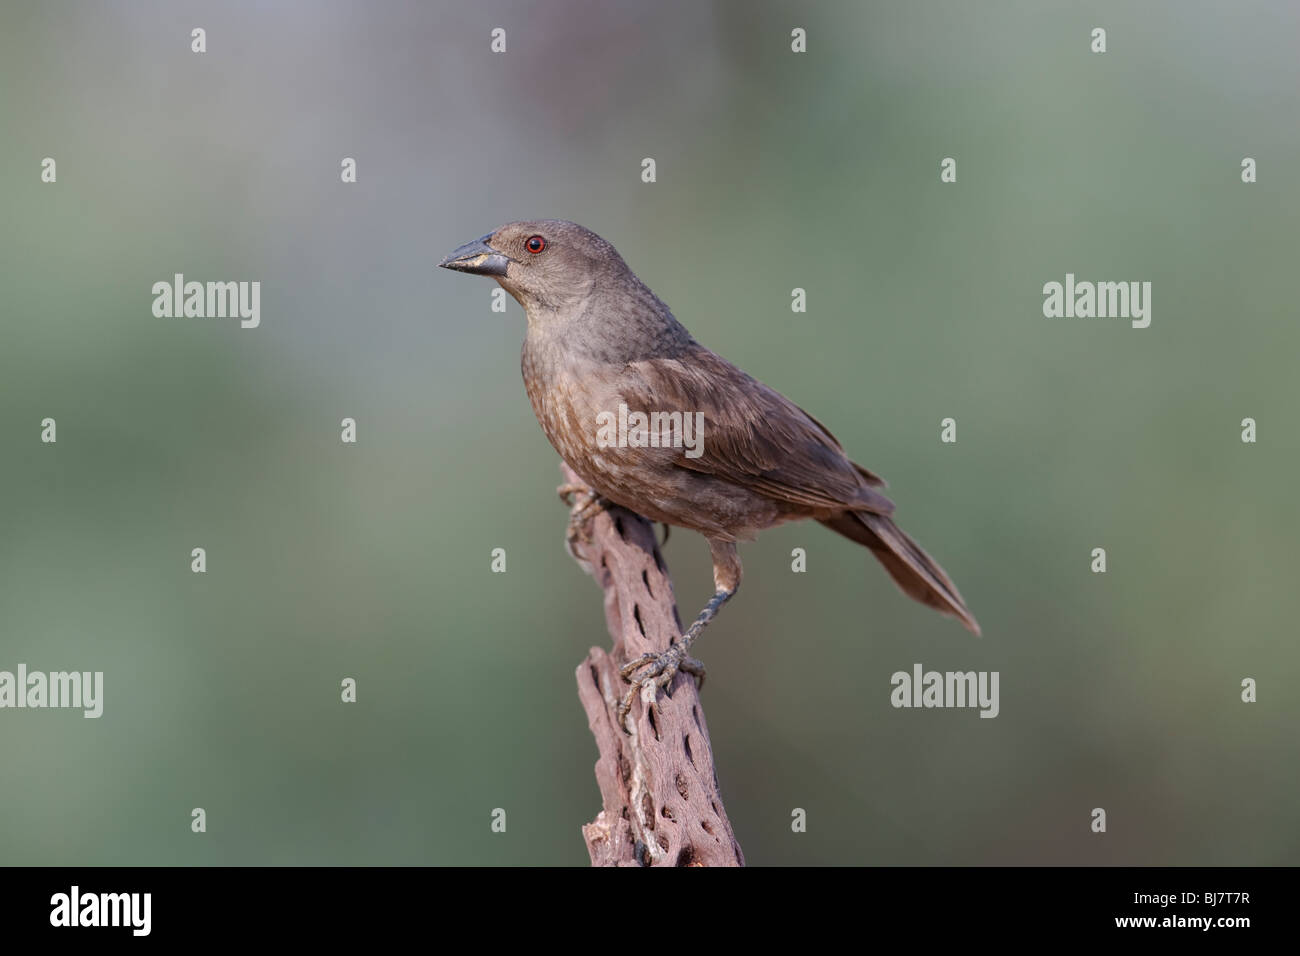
{"points": [[660, 792]]}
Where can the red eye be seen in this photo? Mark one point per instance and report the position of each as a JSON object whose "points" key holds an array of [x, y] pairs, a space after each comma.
{"points": [[535, 245]]}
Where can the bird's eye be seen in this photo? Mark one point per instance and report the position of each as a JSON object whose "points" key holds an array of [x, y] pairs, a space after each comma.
{"points": [[535, 245]]}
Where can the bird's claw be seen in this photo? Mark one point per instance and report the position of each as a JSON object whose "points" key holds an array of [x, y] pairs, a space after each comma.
{"points": [[662, 669], [567, 492], [586, 505], [579, 529]]}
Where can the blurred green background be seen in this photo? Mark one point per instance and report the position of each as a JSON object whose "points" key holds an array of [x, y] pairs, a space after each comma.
{"points": [[775, 170]]}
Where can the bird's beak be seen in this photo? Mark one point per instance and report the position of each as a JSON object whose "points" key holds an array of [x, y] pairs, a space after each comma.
{"points": [[477, 257]]}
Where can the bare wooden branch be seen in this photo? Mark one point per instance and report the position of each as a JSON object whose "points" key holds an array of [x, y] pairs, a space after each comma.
{"points": [[658, 787]]}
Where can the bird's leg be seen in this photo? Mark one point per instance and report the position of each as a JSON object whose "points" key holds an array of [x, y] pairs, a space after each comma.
{"points": [[661, 668]]}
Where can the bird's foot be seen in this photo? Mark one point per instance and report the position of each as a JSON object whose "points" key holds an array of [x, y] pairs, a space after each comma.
{"points": [[587, 504], [568, 492], [661, 669]]}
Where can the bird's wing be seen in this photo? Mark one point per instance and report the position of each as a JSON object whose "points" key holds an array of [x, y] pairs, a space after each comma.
{"points": [[753, 436]]}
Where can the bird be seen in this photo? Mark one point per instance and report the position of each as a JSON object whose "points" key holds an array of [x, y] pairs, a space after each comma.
{"points": [[601, 351]]}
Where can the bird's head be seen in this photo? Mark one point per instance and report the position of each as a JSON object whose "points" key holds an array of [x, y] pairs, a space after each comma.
{"points": [[546, 264]]}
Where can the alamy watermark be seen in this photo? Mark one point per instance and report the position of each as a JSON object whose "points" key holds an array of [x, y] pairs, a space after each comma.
{"points": [[212, 300], [83, 690], [76, 908], [627, 429], [923, 688], [1101, 300]]}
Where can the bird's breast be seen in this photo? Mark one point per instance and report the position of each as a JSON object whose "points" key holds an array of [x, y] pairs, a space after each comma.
{"points": [[569, 399], [559, 399]]}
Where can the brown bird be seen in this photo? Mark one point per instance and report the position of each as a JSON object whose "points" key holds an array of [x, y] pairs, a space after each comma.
{"points": [[607, 367]]}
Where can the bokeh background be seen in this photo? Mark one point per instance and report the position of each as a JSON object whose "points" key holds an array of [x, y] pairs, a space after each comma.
{"points": [[775, 170]]}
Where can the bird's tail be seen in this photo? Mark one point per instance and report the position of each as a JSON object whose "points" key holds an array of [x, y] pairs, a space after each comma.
{"points": [[918, 574]]}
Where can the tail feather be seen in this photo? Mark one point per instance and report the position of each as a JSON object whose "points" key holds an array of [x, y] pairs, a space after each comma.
{"points": [[918, 574]]}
